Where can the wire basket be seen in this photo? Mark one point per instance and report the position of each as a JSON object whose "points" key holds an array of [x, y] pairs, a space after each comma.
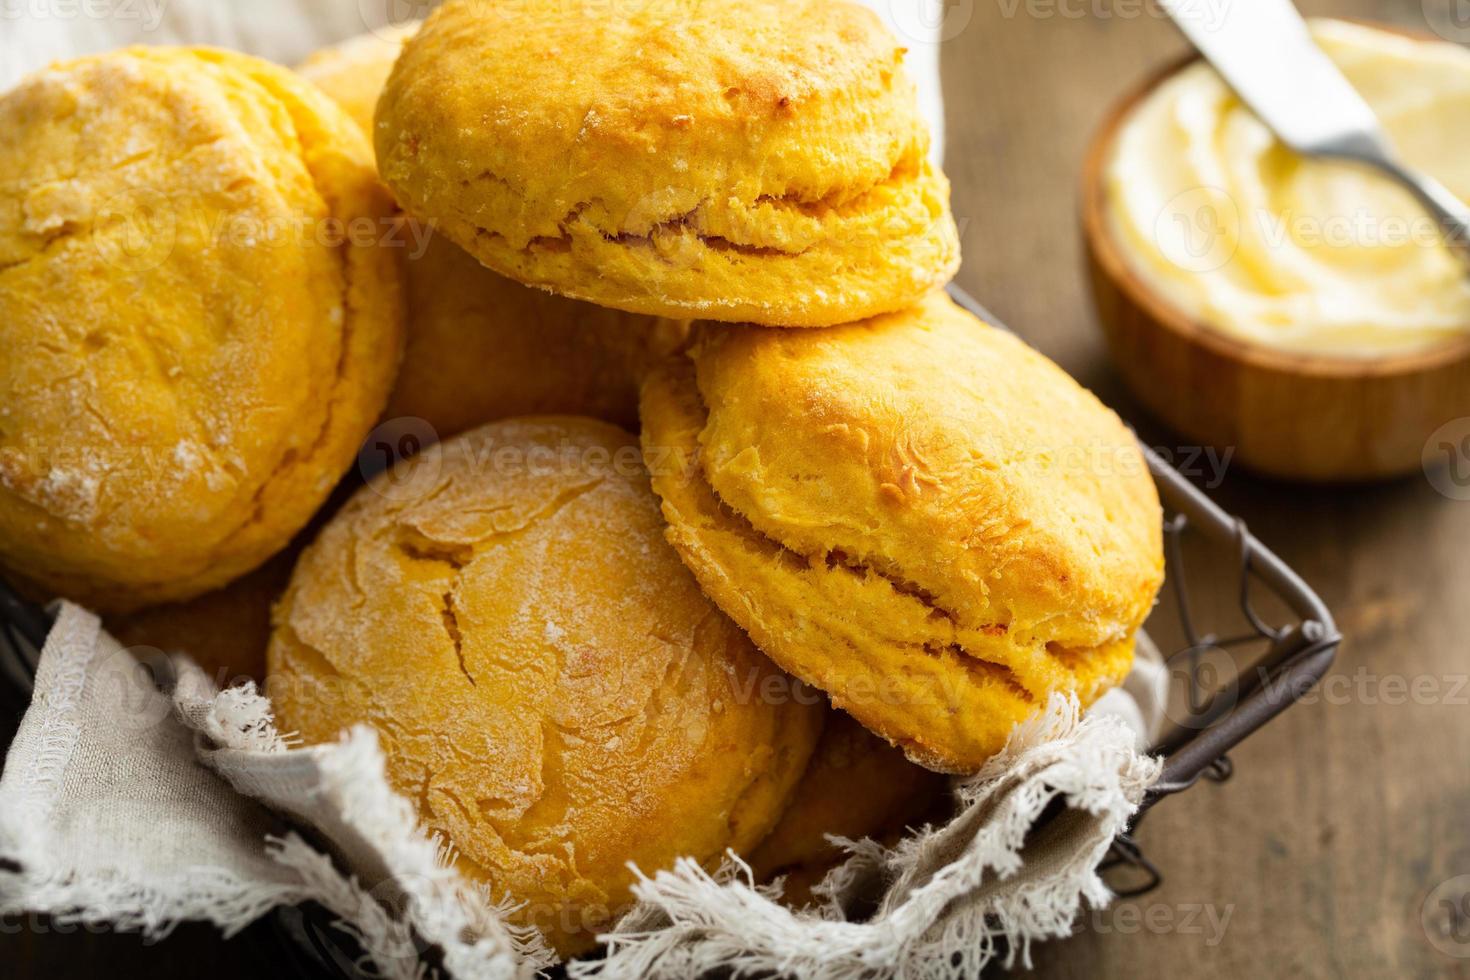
{"points": [[1244, 637]]}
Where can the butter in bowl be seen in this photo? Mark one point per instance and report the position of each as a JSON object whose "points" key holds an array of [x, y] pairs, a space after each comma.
{"points": [[1306, 312]]}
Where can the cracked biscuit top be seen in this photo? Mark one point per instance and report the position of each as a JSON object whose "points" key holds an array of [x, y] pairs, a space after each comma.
{"points": [[550, 686], [916, 513], [196, 326], [749, 160]]}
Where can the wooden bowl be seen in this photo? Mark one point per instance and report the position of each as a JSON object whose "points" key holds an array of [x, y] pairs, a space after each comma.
{"points": [[1297, 416]]}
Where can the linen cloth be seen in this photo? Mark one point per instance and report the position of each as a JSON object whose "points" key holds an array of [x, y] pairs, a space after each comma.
{"points": [[137, 796]]}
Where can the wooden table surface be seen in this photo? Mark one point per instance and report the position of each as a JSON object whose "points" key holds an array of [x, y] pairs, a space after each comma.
{"points": [[1316, 859]]}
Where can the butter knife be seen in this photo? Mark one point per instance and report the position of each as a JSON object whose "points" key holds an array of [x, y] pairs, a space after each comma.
{"points": [[1263, 50]]}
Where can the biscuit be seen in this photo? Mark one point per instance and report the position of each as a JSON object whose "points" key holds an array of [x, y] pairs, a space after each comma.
{"points": [[225, 631], [197, 327], [482, 347], [549, 684], [353, 72], [856, 786], [916, 513], [749, 160]]}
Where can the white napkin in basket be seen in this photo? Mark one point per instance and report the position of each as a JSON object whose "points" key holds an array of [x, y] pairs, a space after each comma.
{"points": [[113, 810]]}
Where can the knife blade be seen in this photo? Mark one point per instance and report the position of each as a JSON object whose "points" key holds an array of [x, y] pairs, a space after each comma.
{"points": [[1265, 52]]}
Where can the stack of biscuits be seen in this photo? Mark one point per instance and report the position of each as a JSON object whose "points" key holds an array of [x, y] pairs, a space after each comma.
{"points": [[729, 530]]}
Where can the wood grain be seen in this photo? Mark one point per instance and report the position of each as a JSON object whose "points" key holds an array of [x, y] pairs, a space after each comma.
{"points": [[1343, 813]]}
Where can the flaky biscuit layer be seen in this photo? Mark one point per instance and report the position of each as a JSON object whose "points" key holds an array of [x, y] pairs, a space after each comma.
{"points": [[916, 513], [752, 160]]}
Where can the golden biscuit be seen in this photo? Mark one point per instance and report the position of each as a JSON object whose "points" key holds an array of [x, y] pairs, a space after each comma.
{"points": [[856, 786], [225, 631], [916, 513], [196, 325], [760, 160], [550, 686], [353, 72], [482, 347]]}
